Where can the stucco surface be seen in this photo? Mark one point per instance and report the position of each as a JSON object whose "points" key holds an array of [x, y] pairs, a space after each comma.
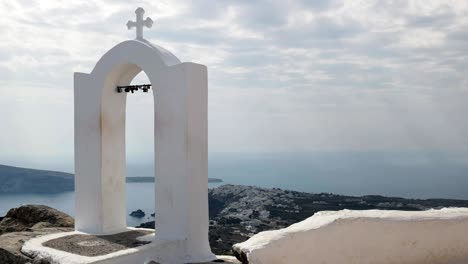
{"points": [[180, 92], [366, 237]]}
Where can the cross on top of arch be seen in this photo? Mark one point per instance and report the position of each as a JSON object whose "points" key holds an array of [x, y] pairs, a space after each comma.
{"points": [[140, 23]]}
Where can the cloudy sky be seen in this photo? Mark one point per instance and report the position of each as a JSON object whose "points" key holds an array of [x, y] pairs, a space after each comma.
{"points": [[284, 76]]}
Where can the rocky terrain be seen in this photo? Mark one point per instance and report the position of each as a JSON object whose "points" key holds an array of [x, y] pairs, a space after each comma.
{"points": [[26, 222], [29, 221], [237, 212]]}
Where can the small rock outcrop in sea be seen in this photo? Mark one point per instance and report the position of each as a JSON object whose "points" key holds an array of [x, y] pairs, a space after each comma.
{"points": [[26, 222], [138, 214], [149, 224]]}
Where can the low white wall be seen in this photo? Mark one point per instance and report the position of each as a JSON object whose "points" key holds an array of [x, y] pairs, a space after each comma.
{"points": [[164, 252], [365, 237]]}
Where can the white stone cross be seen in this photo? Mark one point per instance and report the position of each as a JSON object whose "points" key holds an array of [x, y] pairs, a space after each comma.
{"points": [[140, 23]]}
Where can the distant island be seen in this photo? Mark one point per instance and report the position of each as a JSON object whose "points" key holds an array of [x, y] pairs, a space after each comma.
{"points": [[24, 180]]}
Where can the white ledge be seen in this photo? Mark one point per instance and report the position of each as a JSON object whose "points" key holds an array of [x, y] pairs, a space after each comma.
{"points": [[365, 237]]}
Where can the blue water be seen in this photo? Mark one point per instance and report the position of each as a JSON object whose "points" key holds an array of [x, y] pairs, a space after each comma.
{"points": [[139, 196], [402, 174]]}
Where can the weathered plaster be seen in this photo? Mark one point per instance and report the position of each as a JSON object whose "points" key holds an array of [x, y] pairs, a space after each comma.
{"points": [[366, 237], [181, 158]]}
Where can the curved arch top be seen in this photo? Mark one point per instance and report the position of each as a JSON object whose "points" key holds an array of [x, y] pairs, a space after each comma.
{"points": [[135, 52], [180, 140]]}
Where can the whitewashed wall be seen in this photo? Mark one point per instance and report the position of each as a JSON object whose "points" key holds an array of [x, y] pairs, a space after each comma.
{"points": [[181, 140], [366, 237]]}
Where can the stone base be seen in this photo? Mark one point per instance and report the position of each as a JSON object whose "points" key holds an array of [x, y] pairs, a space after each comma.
{"points": [[94, 246], [134, 246]]}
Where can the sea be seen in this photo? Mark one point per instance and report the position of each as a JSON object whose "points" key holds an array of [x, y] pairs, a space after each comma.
{"points": [[397, 174]]}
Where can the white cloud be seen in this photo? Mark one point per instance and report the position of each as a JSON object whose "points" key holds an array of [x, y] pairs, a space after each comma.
{"points": [[284, 75]]}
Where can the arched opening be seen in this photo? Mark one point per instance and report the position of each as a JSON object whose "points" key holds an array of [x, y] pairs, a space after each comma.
{"points": [[139, 141], [180, 147], [128, 148]]}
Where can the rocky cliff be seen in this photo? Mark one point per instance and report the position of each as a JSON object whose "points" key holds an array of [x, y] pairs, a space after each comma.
{"points": [[25, 222], [238, 212]]}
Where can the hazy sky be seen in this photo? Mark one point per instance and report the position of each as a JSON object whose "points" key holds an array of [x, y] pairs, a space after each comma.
{"points": [[283, 75]]}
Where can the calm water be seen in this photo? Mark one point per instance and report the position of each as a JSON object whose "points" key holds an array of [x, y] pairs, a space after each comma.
{"points": [[410, 175], [139, 196]]}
